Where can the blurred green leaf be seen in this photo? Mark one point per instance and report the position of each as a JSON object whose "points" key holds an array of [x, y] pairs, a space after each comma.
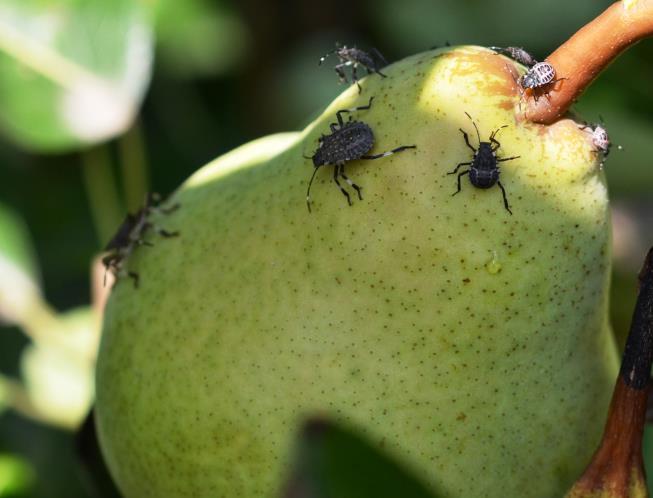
{"points": [[332, 462], [58, 368], [199, 38], [16, 475], [415, 25], [19, 287], [72, 72], [647, 450], [15, 243]]}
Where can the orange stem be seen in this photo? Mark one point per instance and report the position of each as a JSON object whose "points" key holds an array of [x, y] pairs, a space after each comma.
{"points": [[581, 58]]}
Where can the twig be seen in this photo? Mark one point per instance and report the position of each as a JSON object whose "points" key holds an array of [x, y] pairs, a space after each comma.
{"points": [[617, 469], [588, 52]]}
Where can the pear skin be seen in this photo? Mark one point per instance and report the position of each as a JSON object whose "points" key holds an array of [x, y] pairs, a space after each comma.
{"points": [[469, 344]]}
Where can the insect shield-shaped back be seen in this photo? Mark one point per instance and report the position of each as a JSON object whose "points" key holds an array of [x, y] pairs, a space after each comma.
{"points": [[539, 75], [483, 168], [484, 171], [347, 141], [601, 140]]}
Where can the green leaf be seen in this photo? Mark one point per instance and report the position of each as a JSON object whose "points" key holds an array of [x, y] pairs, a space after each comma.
{"points": [[332, 462], [199, 38], [19, 287], [57, 369], [16, 475], [72, 72]]}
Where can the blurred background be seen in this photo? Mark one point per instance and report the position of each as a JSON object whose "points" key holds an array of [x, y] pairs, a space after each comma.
{"points": [[103, 101]]}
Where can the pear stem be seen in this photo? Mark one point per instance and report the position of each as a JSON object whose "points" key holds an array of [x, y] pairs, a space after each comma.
{"points": [[617, 469], [590, 50]]}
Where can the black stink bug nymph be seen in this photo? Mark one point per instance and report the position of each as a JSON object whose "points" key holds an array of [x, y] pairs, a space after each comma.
{"points": [[347, 141], [131, 234], [354, 57], [483, 169]]}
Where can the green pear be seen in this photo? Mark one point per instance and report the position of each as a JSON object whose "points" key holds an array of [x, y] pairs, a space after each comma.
{"points": [[469, 344]]}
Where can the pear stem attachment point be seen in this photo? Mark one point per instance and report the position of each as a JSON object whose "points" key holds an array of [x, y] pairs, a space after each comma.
{"points": [[590, 50]]}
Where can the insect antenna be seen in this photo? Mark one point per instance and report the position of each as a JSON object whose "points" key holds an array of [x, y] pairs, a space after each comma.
{"points": [[324, 57], [308, 190], [494, 133], [330, 52], [477, 133], [379, 56]]}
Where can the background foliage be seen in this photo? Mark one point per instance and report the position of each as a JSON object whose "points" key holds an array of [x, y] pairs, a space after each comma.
{"points": [[101, 101]]}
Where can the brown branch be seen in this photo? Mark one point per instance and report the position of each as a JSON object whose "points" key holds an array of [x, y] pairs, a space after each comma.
{"points": [[581, 58], [617, 468]]}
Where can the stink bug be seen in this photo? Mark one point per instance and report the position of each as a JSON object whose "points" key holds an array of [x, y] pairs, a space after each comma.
{"points": [[517, 54], [483, 169], [354, 57], [537, 77], [347, 141], [131, 234], [600, 139]]}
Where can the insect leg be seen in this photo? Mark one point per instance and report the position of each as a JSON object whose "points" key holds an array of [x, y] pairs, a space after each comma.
{"points": [[335, 179], [467, 139], [508, 159], [143, 242], [324, 57], [459, 176], [458, 167], [168, 210], [494, 140], [505, 199], [166, 233], [134, 276], [360, 108], [353, 185], [390, 152], [381, 59], [341, 73], [308, 191], [354, 77]]}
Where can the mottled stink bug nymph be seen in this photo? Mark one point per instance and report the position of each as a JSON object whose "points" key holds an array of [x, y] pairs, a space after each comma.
{"points": [[537, 77], [354, 57], [347, 141], [517, 54], [600, 139], [131, 234], [483, 169]]}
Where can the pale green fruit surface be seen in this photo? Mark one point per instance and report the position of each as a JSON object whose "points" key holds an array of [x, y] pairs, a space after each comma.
{"points": [[469, 344]]}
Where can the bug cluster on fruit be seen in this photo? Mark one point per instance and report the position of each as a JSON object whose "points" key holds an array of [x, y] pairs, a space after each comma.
{"points": [[600, 139], [131, 234], [517, 54], [354, 57], [483, 168], [347, 141]]}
